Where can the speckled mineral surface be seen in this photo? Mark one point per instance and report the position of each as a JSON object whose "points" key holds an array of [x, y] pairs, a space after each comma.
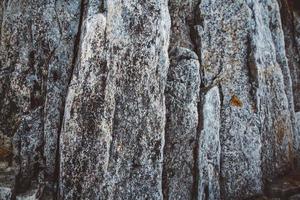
{"points": [[155, 99]]}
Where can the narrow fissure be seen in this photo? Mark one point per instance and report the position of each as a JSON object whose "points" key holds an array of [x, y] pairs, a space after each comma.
{"points": [[165, 189], [76, 48], [221, 179], [195, 192], [288, 22], [103, 6], [196, 40]]}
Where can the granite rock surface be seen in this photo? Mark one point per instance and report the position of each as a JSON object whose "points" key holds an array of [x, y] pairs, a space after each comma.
{"points": [[156, 99]]}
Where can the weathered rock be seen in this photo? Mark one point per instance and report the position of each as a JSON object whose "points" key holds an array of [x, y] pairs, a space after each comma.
{"points": [[284, 187], [37, 49], [86, 131], [138, 52], [291, 47], [29, 195], [113, 134], [291, 27], [297, 116], [100, 68], [250, 68], [223, 45], [182, 21], [7, 180], [181, 140], [269, 65], [5, 193]]}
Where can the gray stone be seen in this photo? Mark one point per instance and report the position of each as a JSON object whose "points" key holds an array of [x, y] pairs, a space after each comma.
{"points": [[138, 53], [269, 65], [36, 54], [297, 134], [83, 85], [223, 30], [5, 193], [182, 21], [7, 180], [182, 94], [113, 133], [85, 136]]}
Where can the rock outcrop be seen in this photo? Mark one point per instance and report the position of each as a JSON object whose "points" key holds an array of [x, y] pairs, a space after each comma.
{"points": [[157, 99]]}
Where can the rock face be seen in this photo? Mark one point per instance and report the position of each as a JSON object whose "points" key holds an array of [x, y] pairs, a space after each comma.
{"points": [[37, 52], [113, 131], [148, 99], [182, 94]]}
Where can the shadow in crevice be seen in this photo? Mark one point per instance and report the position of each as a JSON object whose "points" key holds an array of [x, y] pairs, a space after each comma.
{"points": [[294, 5]]}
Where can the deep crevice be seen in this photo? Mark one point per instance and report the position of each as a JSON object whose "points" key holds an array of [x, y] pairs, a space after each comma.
{"points": [[294, 4], [195, 192], [288, 22], [103, 6], [222, 179], [196, 40]]}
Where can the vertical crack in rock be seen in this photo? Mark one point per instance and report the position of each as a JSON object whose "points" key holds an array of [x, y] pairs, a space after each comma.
{"points": [[288, 16], [276, 29], [84, 113], [275, 117], [36, 54], [297, 117], [292, 52], [227, 67], [83, 139], [2, 7], [78, 37], [113, 135], [76, 47]]}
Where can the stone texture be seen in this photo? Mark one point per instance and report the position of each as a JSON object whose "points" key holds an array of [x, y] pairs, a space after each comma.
{"points": [[289, 24], [250, 68], [157, 99], [182, 94], [113, 133], [223, 45], [291, 20], [297, 116], [85, 135], [5, 193], [182, 21], [269, 66], [37, 49], [7, 182], [286, 187], [138, 51]]}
